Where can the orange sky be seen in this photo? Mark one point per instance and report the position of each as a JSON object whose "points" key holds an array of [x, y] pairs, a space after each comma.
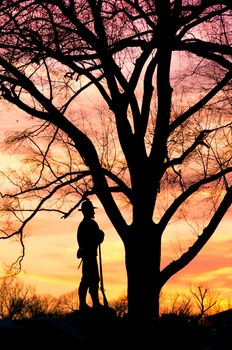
{"points": [[51, 266]]}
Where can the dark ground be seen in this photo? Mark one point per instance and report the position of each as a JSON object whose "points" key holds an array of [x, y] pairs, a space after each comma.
{"points": [[105, 331]]}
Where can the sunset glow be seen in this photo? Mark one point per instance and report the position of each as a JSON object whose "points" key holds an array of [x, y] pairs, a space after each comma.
{"points": [[102, 101], [50, 264]]}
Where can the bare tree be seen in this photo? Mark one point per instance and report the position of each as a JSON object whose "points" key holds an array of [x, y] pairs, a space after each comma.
{"points": [[18, 301], [68, 302], [163, 69], [205, 299], [120, 305], [15, 298], [181, 306], [198, 303], [45, 305]]}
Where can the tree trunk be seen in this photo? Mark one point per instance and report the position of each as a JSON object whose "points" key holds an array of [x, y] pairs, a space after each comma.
{"points": [[143, 268]]}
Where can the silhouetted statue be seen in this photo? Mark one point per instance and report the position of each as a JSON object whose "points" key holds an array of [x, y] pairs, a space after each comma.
{"points": [[89, 236]]}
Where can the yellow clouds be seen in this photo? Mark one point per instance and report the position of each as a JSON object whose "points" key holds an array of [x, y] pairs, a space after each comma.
{"points": [[213, 265], [113, 264], [50, 262], [54, 284], [52, 267], [58, 272]]}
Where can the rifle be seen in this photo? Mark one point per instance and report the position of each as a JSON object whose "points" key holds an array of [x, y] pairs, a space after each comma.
{"points": [[105, 302]]}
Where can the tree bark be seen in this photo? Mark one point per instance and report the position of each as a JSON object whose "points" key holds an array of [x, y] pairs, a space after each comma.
{"points": [[143, 270]]}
